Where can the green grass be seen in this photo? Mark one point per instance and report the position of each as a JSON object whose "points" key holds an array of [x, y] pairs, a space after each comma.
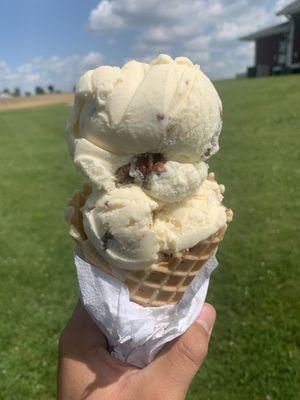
{"points": [[37, 281], [254, 353]]}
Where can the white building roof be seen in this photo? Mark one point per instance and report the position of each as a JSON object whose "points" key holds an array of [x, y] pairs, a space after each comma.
{"points": [[272, 30], [291, 9]]}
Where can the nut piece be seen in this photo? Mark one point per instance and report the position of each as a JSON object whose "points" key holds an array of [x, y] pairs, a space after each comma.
{"points": [[123, 176], [144, 163], [106, 237]]}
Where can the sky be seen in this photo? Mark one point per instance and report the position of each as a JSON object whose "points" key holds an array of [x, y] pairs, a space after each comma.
{"points": [[46, 42]]}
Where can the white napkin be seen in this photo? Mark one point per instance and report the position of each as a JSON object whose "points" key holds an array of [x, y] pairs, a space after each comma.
{"points": [[136, 334]]}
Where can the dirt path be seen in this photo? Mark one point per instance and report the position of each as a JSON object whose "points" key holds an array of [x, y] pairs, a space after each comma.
{"points": [[35, 101]]}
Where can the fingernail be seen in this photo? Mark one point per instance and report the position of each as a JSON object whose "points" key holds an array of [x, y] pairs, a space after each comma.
{"points": [[207, 318]]}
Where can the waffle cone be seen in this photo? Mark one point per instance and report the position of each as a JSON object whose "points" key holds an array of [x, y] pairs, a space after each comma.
{"points": [[161, 283]]}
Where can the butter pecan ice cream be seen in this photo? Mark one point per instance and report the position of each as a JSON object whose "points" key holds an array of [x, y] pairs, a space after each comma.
{"points": [[142, 134]]}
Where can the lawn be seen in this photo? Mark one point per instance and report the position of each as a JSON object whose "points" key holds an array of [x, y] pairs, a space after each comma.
{"points": [[254, 352]]}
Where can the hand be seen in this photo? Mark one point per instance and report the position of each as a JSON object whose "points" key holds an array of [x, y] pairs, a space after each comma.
{"points": [[86, 370]]}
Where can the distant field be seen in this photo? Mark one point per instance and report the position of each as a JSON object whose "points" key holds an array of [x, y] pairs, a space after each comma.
{"points": [[16, 103], [254, 353]]}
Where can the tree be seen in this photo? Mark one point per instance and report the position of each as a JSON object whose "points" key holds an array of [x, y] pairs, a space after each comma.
{"points": [[17, 92], [51, 88], [27, 94], [6, 91], [39, 90]]}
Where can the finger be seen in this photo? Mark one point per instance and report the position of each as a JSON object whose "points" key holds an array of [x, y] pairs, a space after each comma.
{"points": [[180, 360]]}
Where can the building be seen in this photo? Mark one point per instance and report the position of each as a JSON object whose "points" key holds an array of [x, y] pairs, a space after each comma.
{"points": [[277, 48]]}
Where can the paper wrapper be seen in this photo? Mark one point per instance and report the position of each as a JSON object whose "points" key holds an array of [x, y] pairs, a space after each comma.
{"points": [[135, 334]]}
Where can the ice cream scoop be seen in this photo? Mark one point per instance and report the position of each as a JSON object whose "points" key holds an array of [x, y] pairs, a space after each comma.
{"points": [[168, 106], [97, 164], [178, 182], [119, 225], [131, 231], [167, 181], [182, 225], [163, 180]]}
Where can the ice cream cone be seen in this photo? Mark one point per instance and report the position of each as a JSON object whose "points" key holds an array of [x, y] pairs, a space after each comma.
{"points": [[159, 284]]}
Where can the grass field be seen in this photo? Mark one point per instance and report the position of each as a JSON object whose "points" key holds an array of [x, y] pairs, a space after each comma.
{"points": [[254, 352]]}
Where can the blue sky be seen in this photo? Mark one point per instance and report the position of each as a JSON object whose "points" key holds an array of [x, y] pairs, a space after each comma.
{"points": [[44, 28], [54, 41]]}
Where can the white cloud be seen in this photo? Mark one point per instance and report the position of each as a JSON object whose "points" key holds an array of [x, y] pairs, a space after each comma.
{"points": [[32, 78], [60, 72], [206, 30], [105, 17], [91, 60]]}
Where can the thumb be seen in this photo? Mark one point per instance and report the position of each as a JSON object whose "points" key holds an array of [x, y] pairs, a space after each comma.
{"points": [[180, 360]]}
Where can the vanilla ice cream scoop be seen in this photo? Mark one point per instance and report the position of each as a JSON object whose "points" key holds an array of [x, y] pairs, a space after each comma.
{"points": [[131, 231], [98, 165], [166, 181], [119, 225], [168, 106], [182, 225]]}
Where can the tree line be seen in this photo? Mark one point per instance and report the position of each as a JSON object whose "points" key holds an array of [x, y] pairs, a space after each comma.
{"points": [[37, 90]]}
